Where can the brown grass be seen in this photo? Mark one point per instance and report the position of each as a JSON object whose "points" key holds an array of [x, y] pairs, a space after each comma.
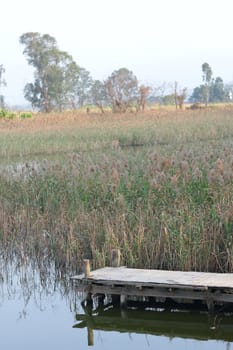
{"points": [[166, 204]]}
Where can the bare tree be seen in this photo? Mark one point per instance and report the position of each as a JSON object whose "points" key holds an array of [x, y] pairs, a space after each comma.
{"points": [[161, 90], [143, 94], [179, 96]]}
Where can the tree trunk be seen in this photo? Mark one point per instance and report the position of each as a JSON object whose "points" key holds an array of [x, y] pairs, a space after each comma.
{"points": [[99, 105], [45, 96], [175, 95], [206, 95]]}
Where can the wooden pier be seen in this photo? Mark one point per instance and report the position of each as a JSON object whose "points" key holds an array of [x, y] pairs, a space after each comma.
{"points": [[121, 283]]}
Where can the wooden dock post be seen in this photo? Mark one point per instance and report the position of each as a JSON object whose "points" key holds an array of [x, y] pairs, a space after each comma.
{"points": [[87, 271], [116, 258], [116, 262], [87, 268], [123, 301], [90, 336], [100, 299], [210, 305]]}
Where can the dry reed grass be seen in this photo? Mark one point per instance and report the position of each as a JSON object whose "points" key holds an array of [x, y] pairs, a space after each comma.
{"points": [[167, 204]]}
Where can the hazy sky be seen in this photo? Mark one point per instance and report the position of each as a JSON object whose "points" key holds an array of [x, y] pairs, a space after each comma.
{"points": [[159, 40]]}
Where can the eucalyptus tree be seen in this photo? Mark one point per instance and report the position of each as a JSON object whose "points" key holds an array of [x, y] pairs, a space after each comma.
{"points": [[218, 92], [207, 78], [122, 90], [55, 72], [83, 86], [99, 95], [212, 90]]}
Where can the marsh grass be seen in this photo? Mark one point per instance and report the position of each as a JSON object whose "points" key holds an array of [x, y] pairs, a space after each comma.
{"points": [[159, 186]]}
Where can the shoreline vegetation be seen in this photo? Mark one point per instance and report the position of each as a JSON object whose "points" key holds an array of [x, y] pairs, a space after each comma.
{"points": [[158, 185]]}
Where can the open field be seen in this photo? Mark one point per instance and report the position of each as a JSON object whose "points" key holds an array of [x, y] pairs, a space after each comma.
{"points": [[157, 185]]}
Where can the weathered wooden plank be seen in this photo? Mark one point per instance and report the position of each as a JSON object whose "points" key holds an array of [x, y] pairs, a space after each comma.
{"points": [[177, 279], [160, 292]]}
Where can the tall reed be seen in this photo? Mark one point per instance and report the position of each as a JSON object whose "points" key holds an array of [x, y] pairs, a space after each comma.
{"points": [[167, 204]]}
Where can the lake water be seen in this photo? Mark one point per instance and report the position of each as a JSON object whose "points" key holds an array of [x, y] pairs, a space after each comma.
{"points": [[39, 311]]}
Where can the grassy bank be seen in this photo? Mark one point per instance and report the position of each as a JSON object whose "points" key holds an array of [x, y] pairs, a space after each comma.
{"points": [[159, 186]]}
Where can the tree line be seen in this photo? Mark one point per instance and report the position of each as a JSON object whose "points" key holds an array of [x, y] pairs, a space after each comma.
{"points": [[60, 83]]}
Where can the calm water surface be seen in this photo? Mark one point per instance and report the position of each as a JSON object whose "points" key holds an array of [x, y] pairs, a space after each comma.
{"points": [[37, 311]]}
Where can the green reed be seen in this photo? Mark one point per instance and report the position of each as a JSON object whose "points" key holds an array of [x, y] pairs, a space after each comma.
{"points": [[167, 204]]}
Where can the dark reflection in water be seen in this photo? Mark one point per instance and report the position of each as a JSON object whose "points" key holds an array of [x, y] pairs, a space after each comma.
{"points": [[173, 323], [40, 309]]}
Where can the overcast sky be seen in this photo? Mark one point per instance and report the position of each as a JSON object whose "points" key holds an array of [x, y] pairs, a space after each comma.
{"points": [[159, 40]]}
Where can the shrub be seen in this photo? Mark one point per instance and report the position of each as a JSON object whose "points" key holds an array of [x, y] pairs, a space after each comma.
{"points": [[25, 115], [6, 114], [10, 115], [3, 113]]}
